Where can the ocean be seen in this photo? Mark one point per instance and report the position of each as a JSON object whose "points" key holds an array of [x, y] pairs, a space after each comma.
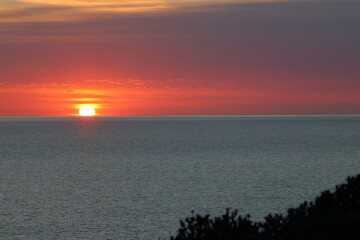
{"points": [[135, 178]]}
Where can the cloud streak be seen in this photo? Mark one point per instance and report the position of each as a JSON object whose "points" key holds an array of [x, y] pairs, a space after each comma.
{"points": [[76, 10]]}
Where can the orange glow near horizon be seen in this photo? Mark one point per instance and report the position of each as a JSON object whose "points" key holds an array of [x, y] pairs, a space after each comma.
{"points": [[169, 102]]}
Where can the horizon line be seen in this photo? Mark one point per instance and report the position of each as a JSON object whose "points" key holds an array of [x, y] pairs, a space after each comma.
{"points": [[191, 116]]}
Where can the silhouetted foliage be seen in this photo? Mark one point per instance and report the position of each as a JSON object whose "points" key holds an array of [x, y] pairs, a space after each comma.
{"points": [[228, 226], [332, 215]]}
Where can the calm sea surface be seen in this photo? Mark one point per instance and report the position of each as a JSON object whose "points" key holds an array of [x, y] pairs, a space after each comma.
{"points": [[135, 178]]}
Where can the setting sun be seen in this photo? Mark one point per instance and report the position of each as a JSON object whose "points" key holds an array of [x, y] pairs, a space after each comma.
{"points": [[87, 111]]}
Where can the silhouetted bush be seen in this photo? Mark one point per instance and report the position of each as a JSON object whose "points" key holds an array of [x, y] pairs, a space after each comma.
{"points": [[332, 215]]}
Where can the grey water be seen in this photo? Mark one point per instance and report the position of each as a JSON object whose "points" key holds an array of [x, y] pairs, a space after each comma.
{"points": [[135, 178]]}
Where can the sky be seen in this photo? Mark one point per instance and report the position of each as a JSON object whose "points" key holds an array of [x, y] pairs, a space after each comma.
{"points": [[179, 57]]}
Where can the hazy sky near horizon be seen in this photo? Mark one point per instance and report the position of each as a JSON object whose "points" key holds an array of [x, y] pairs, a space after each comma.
{"points": [[198, 57]]}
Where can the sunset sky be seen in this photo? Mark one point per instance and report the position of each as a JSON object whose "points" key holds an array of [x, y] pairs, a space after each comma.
{"points": [[179, 57]]}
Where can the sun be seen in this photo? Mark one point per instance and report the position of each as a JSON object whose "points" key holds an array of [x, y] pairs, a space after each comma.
{"points": [[87, 111]]}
